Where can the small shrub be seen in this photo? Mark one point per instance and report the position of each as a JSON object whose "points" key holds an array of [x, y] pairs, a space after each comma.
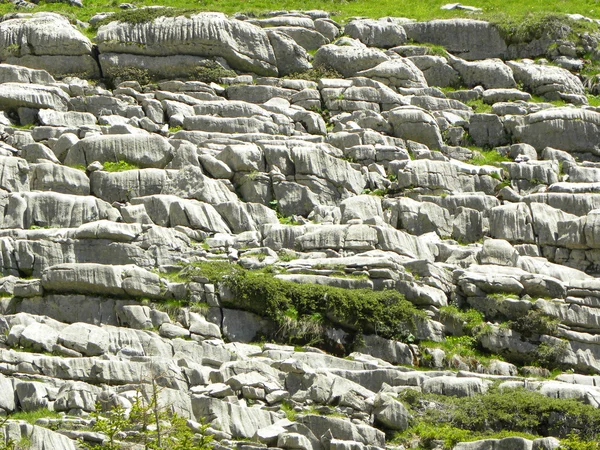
{"points": [[471, 317], [315, 74], [212, 72], [142, 76], [535, 322]]}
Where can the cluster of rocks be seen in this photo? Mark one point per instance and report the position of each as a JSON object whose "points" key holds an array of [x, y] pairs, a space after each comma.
{"points": [[363, 181]]}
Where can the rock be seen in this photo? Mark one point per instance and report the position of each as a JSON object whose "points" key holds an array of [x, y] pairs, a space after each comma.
{"points": [[7, 395], [61, 179], [290, 56], [21, 95], [389, 412], [97, 278], [499, 252], [398, 73], [348, 60], [456, 386], [15, 174], [244, 46], [151, 151], [563, 128], [16, 74], [47, 41], [489, 73], [40, 438], [232, 419], [516, 443], [468, 39], [38, 336], [376, 33], [416, 124], [84, 338], [550, 82]]}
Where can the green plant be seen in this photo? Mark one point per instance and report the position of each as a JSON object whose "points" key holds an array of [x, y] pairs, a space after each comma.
{"points": [[142, 76], [498, 413], [33, 416], [479, 107], [315, 74], [470, 318], [487, 157], [212, 72], [155, 426], [120, 166], [535, 323]]}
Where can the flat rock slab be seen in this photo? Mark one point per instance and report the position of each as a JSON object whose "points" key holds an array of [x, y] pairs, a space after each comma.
{"points": [[17, 95]]}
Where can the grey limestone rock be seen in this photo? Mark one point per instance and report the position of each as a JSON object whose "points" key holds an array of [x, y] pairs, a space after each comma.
{"points": [[29, 95], [466, 38], [97, 278], [489, 73], [547, 81], [145, 151], [47, 41], [569, 129], [244, 46], [415, 124], [456, 386], [348, 59], [380, 33], [17, 74], [399, 73]]}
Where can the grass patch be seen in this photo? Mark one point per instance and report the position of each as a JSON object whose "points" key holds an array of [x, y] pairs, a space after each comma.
{"points": [[479, 107], [471, 318], [120, 166], [315, 74], [32, 416], [516, 19], [487, 157], [594, 100], [538, 24]]}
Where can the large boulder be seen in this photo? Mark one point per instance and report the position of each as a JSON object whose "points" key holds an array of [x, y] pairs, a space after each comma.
{"points": [[400, 72], [144, 151], [553, 83], [47, 41], [37, 96], [348, 59], [415, 124], [466, 38], [570, 129], [244, 46], [101, 279], [376, 33]]}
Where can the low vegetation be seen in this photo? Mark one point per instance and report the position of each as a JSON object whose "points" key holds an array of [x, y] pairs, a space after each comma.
{"points": [[386, 313], [496, 414], [120, 166], [487, 157]]}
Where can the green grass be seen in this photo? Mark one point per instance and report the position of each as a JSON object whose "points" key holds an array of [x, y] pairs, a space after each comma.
{"points": [[479, 107], [471, 317], [487, 157], [120, 166], [32, 416], [517, 18], [496, 414]]}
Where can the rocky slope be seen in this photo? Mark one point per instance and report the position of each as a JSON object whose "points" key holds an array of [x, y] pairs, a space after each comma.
{"points": [[321, 263]]}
